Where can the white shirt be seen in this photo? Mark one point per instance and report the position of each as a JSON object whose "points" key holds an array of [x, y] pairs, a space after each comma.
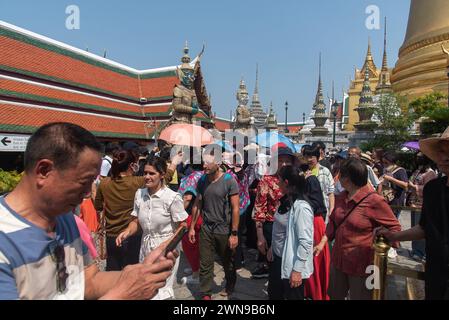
{"points": [[158, 216], [106, 165]]}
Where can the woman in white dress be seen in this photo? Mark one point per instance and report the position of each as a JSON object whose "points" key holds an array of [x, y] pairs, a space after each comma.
{"points": [[158, 211]]}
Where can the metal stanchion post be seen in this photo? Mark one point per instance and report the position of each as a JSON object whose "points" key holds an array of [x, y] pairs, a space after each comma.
{"points": [[381, 248]]}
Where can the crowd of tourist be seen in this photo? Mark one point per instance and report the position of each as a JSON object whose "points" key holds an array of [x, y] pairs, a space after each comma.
{"points": [[312, 217]]}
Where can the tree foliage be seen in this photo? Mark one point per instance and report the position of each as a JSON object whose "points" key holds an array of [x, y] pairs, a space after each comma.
{"points": [[426, 105], [395, 120]]}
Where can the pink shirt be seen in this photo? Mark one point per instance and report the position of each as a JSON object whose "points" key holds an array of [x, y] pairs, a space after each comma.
{"points": [[86, 237]]}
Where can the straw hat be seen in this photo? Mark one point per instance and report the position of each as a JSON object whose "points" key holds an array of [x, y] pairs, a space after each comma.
{"points": [[366, 158], [429, 146]]}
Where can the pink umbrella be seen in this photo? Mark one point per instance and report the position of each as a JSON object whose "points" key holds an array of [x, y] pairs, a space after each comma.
{"points": [[186, 135]]}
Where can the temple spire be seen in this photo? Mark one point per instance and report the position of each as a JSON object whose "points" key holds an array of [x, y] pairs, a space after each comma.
{"points": [[319, 98], [384, 84], [366, 107], [369, 55], [256, 88], [384, 60], [319, 117], [369, 61], [256, 107]]}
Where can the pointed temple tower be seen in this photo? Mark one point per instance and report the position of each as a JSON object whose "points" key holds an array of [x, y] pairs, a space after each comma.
{"points": [[384, 85], [319, 107], [366, 107], [256, 110], [272, 123], [356, 87]]}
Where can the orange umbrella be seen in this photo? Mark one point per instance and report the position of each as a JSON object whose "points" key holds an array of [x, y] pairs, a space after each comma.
{"points": [[186, 135]]}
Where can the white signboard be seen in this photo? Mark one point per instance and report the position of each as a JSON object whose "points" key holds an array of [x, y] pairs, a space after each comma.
{"points": [[13, 142]]}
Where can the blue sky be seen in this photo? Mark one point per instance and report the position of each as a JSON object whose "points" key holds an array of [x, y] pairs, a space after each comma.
{"points": [[284, 37]]}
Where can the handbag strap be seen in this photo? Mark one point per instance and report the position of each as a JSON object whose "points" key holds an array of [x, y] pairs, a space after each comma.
{"points": [[349, 213]]}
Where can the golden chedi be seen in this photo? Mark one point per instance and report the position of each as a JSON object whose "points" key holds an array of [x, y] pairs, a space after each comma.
{"points": [[422, 65]]}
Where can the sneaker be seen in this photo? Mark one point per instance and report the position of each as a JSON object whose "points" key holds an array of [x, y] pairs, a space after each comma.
{"points": [[225, 293], [187, 270], [392, 253], [206, 297], [190, 280], [260, 273]]}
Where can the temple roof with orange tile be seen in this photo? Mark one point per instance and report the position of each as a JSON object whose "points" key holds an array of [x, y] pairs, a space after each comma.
{"points": [[40, 71]]}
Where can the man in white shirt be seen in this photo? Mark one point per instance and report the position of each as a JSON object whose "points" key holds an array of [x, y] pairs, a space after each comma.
{"points": [[106, 161]]}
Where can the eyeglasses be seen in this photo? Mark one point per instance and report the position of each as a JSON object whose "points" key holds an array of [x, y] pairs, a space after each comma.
{"points": [[58, 255]]}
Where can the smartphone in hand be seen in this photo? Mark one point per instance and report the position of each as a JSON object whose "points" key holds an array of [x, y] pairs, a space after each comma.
{"points": [[176, 238]]}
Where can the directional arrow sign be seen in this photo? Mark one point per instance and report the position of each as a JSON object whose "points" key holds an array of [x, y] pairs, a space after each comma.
{"points": [[13, 142], [5, 141]]}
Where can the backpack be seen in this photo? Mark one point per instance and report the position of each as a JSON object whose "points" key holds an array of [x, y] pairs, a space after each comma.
{"points": [[387, 190]]}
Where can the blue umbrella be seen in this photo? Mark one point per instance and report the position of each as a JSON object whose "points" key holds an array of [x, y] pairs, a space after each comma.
{"points": [[270, 138], [226, 146], [298, 146]]}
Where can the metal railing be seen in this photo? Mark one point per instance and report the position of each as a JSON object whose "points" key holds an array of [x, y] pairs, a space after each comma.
{"points": [[388, 267]]}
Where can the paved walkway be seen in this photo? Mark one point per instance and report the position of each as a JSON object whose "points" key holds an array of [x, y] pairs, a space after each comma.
{"points": [[246, 288], [252, 289]]}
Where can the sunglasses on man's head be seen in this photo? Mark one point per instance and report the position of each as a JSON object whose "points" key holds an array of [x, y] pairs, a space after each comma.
{"points": [[58, 255]]}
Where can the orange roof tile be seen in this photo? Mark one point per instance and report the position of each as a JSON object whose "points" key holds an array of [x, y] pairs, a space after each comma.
{"points": [[23, 119]]}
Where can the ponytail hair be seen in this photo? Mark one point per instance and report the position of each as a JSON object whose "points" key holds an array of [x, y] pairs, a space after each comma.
{"points": [[121, 161]]}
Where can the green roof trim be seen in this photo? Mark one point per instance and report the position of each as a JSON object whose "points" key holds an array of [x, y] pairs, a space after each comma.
{"points": [[59, 50], [31, 129], [160, 98], [159, 74], [17, 128], [67, 103]]}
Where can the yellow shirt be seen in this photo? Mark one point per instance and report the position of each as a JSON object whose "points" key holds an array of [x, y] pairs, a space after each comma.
{"points": [[174, 179]]}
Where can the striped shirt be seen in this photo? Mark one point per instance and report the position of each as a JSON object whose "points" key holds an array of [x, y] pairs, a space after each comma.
{"points": [[28, 268], [327, 185]]}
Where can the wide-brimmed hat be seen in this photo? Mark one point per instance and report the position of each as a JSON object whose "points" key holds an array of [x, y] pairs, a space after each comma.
{"points": [[365, 157], [429, 146]]}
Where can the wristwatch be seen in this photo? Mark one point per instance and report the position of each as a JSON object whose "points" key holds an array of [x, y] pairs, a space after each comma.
{"points": [[234, 233]]}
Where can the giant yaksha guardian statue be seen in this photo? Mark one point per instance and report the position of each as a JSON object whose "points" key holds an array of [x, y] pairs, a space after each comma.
{"points": [[243, 117], [185, 103]]}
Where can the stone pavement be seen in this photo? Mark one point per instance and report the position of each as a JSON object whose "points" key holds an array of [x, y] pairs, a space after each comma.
{"points": [[251, 289], [246, 288]]}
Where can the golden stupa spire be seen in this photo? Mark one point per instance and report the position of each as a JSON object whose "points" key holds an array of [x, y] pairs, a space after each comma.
{"points": [[369, 61]]}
